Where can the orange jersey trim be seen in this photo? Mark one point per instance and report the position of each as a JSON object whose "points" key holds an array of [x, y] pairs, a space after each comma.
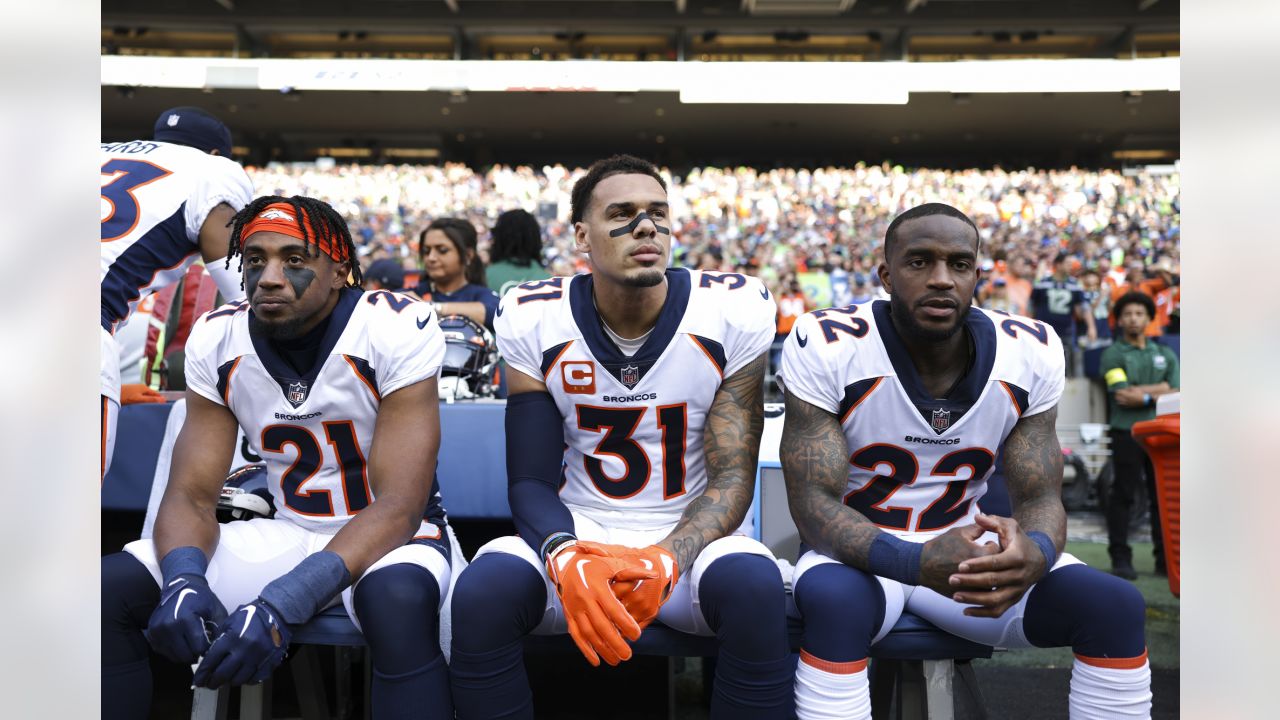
{"points": [[363, 381], [845, 418], [1016, 410], [838, 668], [1132, 663], [559, 355], [714, 366], [226, 391]]}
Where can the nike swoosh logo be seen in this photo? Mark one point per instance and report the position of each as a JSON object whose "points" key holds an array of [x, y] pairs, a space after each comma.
{"points": [[248, 617], [582, 574], [764, 293], [499, 312], [423, 323], [802, 340], [182, 595]]}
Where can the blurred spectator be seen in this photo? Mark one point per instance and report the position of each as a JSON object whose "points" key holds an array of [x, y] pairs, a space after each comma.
{"points": [[862, 290], [1098, 302], [384, 274], [516, 253], [1059, 302], [782, 220], [792, 303], [454, 279], [997, 297]]}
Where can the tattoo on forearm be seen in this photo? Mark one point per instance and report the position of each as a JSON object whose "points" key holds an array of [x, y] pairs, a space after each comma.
{"points": [[815, 464], [731, 441], [1033, 472]]}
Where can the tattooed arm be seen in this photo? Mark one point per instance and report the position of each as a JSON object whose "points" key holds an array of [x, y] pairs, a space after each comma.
{"points": [[815, 465], [1033, 472], [731, 440]]}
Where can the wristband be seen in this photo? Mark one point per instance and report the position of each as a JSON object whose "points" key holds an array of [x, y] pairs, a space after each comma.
{"points": [[439, 308], [1146, 398], [186, 560], [555, 542], [303, 591], [1046, 546], [894, 558]]}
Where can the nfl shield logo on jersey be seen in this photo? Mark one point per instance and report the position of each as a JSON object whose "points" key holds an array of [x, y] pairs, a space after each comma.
{"points": [[941, 420], [630, 376], [298, 394]]}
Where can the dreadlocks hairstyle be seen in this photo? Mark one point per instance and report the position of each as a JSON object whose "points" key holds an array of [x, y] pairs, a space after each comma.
{"points": [[516, 238], [601, 169], [463, 236], [324, 220]]}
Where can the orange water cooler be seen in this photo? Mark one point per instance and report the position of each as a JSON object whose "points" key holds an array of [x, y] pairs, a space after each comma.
{"points": [[1161, 438]]}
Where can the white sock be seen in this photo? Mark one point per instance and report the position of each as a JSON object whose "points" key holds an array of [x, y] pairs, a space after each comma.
{"points": [[832, 691], [1106, 688]]}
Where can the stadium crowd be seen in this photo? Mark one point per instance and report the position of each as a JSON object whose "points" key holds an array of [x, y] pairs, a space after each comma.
{"points": [[812, 235]]}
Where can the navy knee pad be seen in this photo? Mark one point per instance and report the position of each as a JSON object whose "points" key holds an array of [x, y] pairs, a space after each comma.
{"points": [[398, 607], [1095, 613], [745, 603], [842, 608], [129, 596], [497, 600]]}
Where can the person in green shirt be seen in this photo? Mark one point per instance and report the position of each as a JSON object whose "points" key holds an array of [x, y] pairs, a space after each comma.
{"points": [[516, 254], [1137, 370]]}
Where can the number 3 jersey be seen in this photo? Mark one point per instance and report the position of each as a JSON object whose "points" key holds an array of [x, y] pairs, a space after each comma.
{"points": [[917, 465], [314, 430], [155, 198], [633, 425]]}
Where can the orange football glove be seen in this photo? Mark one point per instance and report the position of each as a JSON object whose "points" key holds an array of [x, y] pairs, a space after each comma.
{"points": [[598, 622], [642, 598], [139, 393]]}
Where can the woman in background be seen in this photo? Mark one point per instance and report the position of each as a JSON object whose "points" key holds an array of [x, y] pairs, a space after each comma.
{"points": [[454, 278]]}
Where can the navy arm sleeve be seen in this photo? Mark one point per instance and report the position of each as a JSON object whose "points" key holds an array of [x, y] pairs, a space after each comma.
{"points": [[535, 453]]}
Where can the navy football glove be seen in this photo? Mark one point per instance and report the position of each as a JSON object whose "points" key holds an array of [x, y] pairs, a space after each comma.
{"points": [[248, 646], [182, 625]]}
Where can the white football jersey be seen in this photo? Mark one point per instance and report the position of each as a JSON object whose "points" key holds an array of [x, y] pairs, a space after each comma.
{"points": [[917, 465], [155, 197], [633, 425], [314, 432]]}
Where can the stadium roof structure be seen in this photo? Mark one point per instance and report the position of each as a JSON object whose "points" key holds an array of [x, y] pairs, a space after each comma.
{"points": [[723, 81], [645, 29]]}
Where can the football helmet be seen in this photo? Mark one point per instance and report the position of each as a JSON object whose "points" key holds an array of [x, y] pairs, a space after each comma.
{"points": [[470, 356], [245, 495]]}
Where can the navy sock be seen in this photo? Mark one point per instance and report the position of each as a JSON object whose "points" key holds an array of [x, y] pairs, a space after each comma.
{"points": [[744, 602], [842, 608], [1095, 613], [497, 600], [129, 596]]}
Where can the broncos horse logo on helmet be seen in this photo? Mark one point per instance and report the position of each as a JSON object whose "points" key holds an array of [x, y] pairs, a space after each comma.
{"points": [[470, 356]]}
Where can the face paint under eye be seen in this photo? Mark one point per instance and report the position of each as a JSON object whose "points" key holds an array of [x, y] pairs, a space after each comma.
{"points": [[635, 222], [300, 278], [252, 274]]}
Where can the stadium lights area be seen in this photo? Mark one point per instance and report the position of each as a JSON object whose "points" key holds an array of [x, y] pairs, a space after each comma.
{"points": [[697, 82]]}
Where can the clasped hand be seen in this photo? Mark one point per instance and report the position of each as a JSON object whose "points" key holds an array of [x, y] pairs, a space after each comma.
{"points": [[996, 579]]}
